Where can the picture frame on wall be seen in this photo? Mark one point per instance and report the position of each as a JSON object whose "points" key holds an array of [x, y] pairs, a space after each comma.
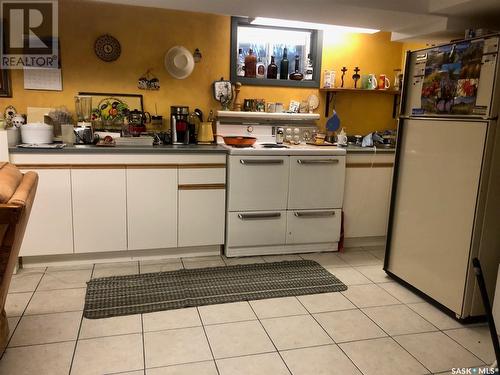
{"points": [[5, 83], [5, 79], [110, 109]]}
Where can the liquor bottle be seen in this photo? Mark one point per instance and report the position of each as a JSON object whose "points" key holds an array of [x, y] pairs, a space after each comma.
{"points": [[240, 69], [297, 75], [272, 69], [250, 64], [309, 69], [261, 68], [284, 65]]}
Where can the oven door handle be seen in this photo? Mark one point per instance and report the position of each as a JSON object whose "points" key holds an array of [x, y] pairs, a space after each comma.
{"points": [[317, 161], [261, 161], [260, 216], [313, 214]]}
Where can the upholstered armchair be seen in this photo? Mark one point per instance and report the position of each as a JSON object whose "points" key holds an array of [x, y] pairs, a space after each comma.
{"points": [[17, 191]]}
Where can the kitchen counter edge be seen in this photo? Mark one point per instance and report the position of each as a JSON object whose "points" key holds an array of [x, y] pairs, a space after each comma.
{"points": [[84, 149]]}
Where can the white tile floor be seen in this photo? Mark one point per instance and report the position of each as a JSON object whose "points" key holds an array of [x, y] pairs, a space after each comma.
{"points": [[375, 327]]}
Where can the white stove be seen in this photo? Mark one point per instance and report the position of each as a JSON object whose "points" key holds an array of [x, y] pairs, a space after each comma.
{"points": [[284, 198]]}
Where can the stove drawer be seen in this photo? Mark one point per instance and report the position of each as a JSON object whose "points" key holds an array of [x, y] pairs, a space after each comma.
{"points": [[257, 183], [316, 182], [256, 228], [313, 226]]}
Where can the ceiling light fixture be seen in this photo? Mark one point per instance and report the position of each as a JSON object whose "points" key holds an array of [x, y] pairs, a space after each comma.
{"points": [[310, 25]]}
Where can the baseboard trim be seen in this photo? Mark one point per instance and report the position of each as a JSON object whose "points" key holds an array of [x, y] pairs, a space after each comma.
{"points": [[280, 249], [118, 256], [364, 241]]}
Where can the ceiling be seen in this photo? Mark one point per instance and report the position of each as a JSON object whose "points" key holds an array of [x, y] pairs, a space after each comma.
{"points": [[424, 20]]}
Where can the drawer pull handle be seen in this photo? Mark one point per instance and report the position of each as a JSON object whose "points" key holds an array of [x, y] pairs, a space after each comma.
{"points": [[318, 161], [271, 215], [314, 214], [261, 161]]}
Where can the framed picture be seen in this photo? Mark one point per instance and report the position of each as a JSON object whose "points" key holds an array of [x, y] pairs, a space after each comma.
{"points": [[110, 109], [5, 84]]}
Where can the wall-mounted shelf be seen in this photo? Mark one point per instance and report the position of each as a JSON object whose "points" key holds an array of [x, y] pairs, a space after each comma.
{"points": [[330, 94]]}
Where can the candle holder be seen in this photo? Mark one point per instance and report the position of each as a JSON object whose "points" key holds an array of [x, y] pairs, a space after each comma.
{"points": [[356, 77], [343, 70]]}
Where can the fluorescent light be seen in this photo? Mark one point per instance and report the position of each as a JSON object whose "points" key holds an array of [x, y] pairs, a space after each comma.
{"points": [[310, 25], [289, 37]]}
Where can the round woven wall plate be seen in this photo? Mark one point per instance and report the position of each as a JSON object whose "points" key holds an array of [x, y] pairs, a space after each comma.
{"points": [[107, 48]]}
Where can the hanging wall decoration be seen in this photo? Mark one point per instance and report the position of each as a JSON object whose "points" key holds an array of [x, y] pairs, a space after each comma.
{"points": [[148, 81], [107, 48], [197, 55]]}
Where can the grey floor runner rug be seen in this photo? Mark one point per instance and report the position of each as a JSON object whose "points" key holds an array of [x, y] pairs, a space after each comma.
{"points": [[133, 294]]}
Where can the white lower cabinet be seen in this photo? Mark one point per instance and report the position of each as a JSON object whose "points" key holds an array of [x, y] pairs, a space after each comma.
{"points": [[201, 217], [86, 208], [99, 210], [367, 195], [256, 228], [316, 182], [151, 208], [50, 229], [313, 226]]}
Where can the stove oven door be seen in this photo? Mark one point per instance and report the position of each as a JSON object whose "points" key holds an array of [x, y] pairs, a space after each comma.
{"points": [[257, 228], [313, 226], [316, 182], [257, 183]]}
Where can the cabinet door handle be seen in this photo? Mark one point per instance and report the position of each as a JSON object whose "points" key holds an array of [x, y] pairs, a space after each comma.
{"points": [[261, 161], [318, 161], [260, 216], [311, 214]]}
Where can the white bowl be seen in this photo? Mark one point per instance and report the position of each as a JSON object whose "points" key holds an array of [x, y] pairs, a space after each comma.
{"points": [[37, 133], [179, 62]]}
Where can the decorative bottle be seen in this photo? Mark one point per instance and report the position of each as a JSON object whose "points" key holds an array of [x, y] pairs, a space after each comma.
{"points": [[240, 69], [272, 69], [250, 64], [297, 75], [284, 65], [261, 68], [309, 69]]}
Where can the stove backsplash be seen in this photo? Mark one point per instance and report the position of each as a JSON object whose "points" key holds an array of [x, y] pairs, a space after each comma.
{"points": [[305, 133], [266, 132]]}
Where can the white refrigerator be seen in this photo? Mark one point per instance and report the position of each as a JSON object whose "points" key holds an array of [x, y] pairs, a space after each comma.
{"points": [[445, 203]]}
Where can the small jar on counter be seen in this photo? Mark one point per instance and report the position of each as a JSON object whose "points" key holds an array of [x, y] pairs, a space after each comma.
{"points": [[280, 136]]}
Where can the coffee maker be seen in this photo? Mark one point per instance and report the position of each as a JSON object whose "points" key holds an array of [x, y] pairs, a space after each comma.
{"points": [[179, 124], [83, 108]]}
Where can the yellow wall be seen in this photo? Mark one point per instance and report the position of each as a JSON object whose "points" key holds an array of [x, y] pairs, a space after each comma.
{"points": [[146, 34]]}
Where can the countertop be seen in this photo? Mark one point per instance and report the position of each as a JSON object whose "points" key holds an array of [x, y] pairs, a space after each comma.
{"points": [[173, 149], [90, 149]]}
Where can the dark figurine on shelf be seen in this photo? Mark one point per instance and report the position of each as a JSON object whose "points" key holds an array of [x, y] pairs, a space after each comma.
{"points": [[343, 70], [356, 77]]}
